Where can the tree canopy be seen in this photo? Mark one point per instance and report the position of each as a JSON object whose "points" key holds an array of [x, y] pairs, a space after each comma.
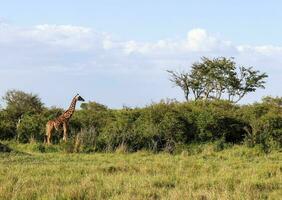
{"points": [[94, 106], [218, 78], [19, 103]]}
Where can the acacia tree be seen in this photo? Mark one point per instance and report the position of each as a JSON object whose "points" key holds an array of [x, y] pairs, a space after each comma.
{"points": [[218, 78], [181, 80], [19, 103]]}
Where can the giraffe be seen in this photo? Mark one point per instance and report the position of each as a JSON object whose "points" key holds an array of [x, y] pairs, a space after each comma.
{"points": [[62, 120]]}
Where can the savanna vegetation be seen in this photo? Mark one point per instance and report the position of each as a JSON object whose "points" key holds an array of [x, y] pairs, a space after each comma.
{"points": [[208, 147], [199, 172], [164, 126]]}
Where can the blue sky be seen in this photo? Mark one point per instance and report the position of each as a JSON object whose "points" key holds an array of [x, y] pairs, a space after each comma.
{"points": [[240, 21], [116, 52]]}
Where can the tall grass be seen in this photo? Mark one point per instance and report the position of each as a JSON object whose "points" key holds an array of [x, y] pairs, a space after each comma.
{"points": [[201, 172]]}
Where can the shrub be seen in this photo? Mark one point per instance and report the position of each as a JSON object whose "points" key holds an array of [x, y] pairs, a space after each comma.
{"points": [[120, 131], [4, 148], [7, 126], [31, 128], [214, 120], [86, 140], [264, 125], [163, 126]]}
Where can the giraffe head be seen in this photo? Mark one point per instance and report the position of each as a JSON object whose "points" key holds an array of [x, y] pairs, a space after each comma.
{"points": [[79, 98]]}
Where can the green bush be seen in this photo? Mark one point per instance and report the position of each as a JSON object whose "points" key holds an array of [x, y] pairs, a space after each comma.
{"points": [[264, 124], [86, 141], [164, 126], [7, 126], [31, 128], [216, 120], [120, 131]]}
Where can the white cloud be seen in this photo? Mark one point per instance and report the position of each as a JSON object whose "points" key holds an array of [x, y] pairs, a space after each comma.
{"points": [[57, 42], [64, 51], [199, 40], [264, 50]]}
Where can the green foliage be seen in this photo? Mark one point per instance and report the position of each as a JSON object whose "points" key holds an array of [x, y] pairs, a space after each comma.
{"points": [[7, 126], [163, 126], [218, 78], [90, 118], [4, 148], [264, 124], [94, 106], [214, 120], [31, 128], [19, 103], [120, 131], [85, 141]]}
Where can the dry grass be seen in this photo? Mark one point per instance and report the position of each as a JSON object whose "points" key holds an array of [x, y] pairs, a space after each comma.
{"points": [[235, 173]]}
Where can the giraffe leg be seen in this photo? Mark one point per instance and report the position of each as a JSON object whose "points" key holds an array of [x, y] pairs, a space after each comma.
{"points": [[49, 129], [65, 126]]}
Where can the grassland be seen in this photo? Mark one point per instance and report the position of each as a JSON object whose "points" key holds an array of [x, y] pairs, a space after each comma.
{"points": [[234, 173]]}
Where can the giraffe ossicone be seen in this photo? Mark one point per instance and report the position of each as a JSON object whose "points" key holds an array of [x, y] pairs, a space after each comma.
{"points": [[62, 120]]}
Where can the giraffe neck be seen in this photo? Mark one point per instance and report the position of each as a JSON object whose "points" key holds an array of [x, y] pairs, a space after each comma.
{"points": [[68, 113]]}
